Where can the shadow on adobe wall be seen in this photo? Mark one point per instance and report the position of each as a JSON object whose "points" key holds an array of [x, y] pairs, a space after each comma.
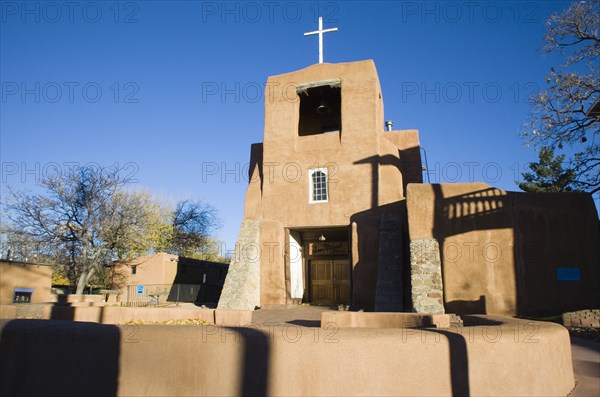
{"points": [[306, 323], [62, 309], [364, 273], [368, 222], [459, 362], [198, 281], [466, 307], [475, 320], [50, 358], [255, 362], [549, 231]]}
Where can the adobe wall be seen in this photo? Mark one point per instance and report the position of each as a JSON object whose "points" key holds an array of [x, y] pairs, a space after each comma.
{"points": [[556, 231], [351, 155], [253, 201], [110, 314], [8, 312], [403, 156], [499, 252], [272, 259], [160, 268], [23, 275], [365, 259], [198, 281], [284, 360], [346, 319], [98, 299]]}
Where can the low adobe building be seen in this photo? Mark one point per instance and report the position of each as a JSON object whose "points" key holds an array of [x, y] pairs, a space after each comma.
{"points": [[329, 218], [167, 277], [24, 282], [500, 252]]}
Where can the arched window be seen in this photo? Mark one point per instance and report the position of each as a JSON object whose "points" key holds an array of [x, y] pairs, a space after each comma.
{"points": [[318, 185]]}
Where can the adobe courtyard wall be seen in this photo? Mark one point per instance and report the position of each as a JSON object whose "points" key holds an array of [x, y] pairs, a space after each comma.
{"points": [[348, 319], [84, 312], [500, 252], [492, 360], [91, 299]]}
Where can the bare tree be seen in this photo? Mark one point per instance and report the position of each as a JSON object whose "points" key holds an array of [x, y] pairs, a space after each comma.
{"points": [[560, 117], [82, 219], [20, 247], [85, 219], [135, 224], [192, 223]]}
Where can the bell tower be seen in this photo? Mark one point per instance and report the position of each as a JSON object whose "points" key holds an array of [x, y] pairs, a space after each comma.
{"points": [[326, 197]]}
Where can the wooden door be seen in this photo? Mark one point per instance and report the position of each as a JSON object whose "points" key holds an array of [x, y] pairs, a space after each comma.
{"points": [[341, 281], [330, 281], [321, 282]]}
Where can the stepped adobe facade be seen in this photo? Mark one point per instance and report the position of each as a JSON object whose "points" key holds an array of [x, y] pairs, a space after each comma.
{"points": [[336, 214]]}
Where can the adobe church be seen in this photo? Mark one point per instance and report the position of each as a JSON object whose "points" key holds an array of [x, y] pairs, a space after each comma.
{"points": [[336, 214]]}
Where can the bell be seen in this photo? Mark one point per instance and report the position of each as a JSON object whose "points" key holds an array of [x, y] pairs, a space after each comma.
{"points": [[323, 108]]}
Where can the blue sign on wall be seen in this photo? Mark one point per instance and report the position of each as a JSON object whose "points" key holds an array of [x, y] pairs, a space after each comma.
{"points": [[139, 289], [568, 274]]}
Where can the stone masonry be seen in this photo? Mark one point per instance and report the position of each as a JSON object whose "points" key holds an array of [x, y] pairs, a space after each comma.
{"points": [[582, 318], [426, 276], [241, 290]]}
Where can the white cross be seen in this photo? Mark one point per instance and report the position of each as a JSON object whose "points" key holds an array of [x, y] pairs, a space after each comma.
{"points": [[320, 33]]}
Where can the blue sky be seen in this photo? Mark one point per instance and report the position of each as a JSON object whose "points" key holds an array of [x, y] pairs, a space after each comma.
{"points": [[172, 91]]}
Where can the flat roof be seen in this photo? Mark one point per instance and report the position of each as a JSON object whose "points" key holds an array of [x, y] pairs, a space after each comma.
{"points": [[12, 262]]}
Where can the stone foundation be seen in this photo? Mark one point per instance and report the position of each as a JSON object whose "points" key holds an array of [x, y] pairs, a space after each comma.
{"points": [[582, 318], [426, 276]]}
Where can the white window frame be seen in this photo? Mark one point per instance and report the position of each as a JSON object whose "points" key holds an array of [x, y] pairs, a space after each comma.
{"points": [[311, 187]]}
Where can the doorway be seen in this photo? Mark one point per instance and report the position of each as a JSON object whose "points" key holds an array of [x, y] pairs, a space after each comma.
{"points": [[322, 266]]}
